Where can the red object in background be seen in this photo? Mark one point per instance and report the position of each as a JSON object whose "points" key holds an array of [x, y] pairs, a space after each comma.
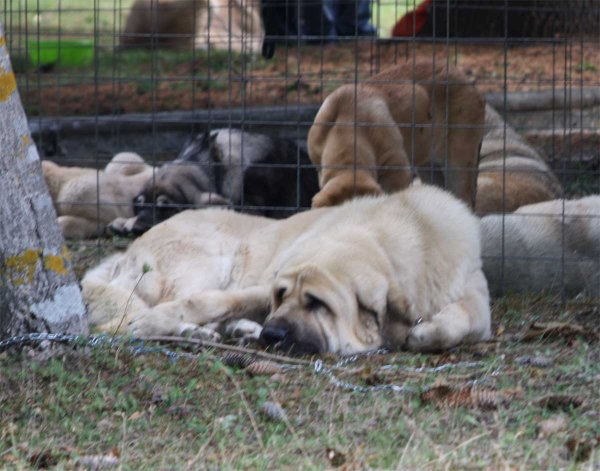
{"points": [[404, 27]]}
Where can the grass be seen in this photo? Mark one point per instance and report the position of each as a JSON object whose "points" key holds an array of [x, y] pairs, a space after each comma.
{"points": [[387, 12], [199, 414], [78, 17], [71, 17]]}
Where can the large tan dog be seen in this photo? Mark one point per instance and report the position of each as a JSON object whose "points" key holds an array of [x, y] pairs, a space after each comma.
{"points": [[391, 271], [511, 173], [551, 247], [234, 24], [164, 22], [406, 117], [76, 192]]}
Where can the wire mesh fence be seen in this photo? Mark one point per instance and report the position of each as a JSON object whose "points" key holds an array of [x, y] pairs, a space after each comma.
{"points": [[225, 93]]}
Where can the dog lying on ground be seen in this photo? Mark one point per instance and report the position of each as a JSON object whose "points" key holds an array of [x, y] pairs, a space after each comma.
{"points": [[227, 167], [166, 22], [536, 237], [345, 279], [510, 170], [236, 25], [86, 199], [376, 158]]}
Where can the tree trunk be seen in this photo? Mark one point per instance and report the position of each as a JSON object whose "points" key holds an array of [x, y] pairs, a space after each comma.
{"points": [[38, 288], [515, 18]]}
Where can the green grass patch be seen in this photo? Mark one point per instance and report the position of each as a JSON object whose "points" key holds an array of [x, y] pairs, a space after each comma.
{"points": [[197, 413]]}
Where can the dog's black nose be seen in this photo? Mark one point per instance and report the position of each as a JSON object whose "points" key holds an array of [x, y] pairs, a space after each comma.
{"points": [[272, 335]]}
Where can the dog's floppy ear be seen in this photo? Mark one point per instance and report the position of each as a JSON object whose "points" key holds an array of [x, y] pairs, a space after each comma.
{"points": [[203, 140], [371, 289], [398, 320], [378, 294]]}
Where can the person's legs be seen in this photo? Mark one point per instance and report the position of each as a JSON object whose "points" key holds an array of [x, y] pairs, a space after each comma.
{"points": [[354, 18]]}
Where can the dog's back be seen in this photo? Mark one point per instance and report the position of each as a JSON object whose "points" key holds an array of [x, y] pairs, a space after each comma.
{"points": [[541, 247], [511, 173]]}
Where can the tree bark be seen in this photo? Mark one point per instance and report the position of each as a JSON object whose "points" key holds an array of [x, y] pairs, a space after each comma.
{"points": [[38, 288], [515, 18]]}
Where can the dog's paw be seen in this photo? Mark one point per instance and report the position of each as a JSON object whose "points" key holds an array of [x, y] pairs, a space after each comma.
{"points": [[119, 227], [153, 322], [243, 330], [206, 332], [425, 337]]}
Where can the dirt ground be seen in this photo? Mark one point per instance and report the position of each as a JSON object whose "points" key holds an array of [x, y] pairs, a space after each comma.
{"points": [[140, 81]]}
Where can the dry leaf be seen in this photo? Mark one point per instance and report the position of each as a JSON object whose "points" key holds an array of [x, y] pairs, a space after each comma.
{"points": [[538, 362], [580, 449], [558, 402], [335, 458], [279, 378], [552, 426], [272, 410], [500, 331], [258, 368], [548, 329], [484, 398]]}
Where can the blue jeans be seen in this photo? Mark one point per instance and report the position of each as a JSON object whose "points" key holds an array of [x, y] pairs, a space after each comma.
{"points": [[347, 18]]}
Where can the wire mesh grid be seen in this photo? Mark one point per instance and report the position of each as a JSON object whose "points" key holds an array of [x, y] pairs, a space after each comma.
{"points": [[148, 76]]}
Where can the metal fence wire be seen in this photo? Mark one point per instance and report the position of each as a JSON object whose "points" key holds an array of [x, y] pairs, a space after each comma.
{"points": [[180, 78]]}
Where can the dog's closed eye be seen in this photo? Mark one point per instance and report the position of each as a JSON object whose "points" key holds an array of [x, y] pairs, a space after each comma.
{"points": [[313, 303], [279, 294], [140, 199]]}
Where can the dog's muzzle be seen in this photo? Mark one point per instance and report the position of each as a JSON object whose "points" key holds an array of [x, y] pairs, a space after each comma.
{"points": [[273, 335], [282, 335]]}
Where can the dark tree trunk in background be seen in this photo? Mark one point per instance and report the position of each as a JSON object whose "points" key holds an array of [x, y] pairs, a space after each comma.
{"points": [[38, 289], [523, 18]]}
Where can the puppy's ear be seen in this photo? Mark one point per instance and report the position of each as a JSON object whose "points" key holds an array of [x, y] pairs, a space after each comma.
{"points": [[344, 187], [371, 289], [212, 199], [205, 138], [379, 295]]}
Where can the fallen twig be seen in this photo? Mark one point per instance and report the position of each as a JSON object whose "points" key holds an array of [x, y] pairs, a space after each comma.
{"points": [[231, 348]]}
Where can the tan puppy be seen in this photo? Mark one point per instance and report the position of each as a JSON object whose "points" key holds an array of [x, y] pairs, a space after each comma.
{"points": [[350, 157], [75, 192], [543, 250], [511, 173], [171, 22], [233, 24], [346, 279]]}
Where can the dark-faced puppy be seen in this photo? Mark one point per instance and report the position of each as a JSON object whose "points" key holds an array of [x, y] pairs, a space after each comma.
{"points": [[253, 172], [188, 181]]}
